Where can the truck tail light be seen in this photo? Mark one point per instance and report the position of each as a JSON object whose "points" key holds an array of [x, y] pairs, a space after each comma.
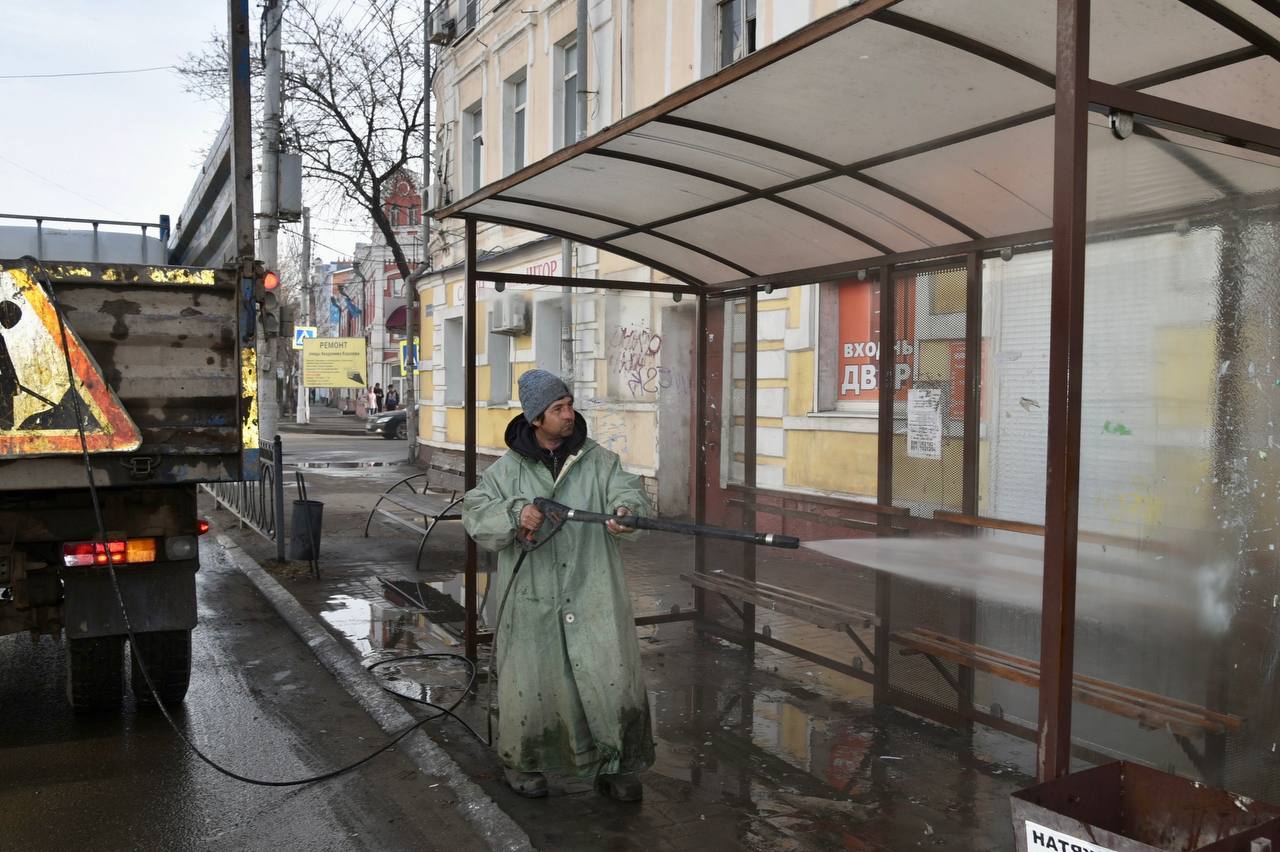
{"points": [[132, 551]]}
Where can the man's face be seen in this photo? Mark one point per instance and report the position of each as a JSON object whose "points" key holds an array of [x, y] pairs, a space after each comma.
{"points": [[558, 420]]}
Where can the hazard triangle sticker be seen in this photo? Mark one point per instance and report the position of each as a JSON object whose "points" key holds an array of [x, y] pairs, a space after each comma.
{"points": [[38, 403]]}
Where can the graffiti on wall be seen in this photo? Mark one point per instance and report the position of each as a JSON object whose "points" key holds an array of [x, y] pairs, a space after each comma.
{"points": [[633, 359]]}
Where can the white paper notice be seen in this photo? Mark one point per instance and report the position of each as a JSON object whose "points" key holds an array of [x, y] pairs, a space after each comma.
{"points": [[1041, 839], [924, 423]]}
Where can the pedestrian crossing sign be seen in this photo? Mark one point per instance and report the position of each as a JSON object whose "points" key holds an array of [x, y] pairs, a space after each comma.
{"points": [[38, 402], [303, 332]]}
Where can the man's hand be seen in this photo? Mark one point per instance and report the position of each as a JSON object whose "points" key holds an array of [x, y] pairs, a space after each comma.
{"points": [[614, 526], [530, 520]]}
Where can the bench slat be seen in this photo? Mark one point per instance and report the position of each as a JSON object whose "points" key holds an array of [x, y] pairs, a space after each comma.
{"points": [[828, 616], [1148, 708], [423, 504]]}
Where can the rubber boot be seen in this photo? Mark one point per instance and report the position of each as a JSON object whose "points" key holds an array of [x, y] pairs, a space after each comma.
{"points": [[624, 787], [531, 785]]}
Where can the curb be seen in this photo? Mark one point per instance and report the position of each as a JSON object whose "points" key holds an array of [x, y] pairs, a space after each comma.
{"points": [[498, 830], [321, 430]]}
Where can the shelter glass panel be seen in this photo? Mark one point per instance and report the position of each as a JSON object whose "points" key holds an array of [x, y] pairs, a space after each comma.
{"points": [[1178, 575], [929, 398]]}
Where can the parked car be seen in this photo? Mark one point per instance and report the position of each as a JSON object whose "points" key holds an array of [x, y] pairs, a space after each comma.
{"points": [[389, 425]]}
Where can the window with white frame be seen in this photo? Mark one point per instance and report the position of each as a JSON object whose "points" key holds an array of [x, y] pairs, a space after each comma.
{"points": [[498, 349], [473, 148], [737, 30], [567, 88], [454, 361], [515, 96]]}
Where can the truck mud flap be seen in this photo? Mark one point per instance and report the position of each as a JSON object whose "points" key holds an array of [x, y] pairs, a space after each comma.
{"points": [[162, 597]]}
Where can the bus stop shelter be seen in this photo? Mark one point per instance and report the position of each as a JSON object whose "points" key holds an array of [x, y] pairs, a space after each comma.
{"points": [[1134, 148]]}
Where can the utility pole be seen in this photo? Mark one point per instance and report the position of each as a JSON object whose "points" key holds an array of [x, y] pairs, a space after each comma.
{"points": [[268, 385], [411, 286], [303, 412]]}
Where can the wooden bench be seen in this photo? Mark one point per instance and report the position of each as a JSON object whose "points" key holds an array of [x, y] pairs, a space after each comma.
{"points": [[817, 611], [1180, 718], [425, 508]]}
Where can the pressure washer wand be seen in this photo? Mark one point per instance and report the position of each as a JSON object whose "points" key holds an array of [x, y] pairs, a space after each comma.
{"points": [[558, 513]]}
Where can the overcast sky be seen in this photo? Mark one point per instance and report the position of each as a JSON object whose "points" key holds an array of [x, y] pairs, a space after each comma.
{"points": [[112, 146]]}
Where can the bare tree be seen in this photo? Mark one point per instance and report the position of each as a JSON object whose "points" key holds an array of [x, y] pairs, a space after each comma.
{"points": [[353, 99]]}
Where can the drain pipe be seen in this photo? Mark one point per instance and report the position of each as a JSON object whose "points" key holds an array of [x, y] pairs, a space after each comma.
{"points": [[566, 247]]}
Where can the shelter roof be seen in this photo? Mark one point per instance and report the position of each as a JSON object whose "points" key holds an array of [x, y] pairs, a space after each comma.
{"points": [[890, 127]]}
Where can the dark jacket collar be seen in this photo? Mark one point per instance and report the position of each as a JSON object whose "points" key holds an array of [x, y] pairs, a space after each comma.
{"points": [[520, 438]]}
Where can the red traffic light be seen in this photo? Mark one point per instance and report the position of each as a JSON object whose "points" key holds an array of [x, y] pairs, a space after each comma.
{"points": [[270, 281]]}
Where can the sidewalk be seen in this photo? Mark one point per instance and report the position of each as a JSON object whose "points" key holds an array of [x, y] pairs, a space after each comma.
{"points": [[324, 421], [779, 755]]}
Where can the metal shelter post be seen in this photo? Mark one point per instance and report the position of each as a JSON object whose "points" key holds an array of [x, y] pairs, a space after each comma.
{"points": [[965, 675], [1066, 335], [700, 390], [469, 426], [751, 332], [884, 464]]}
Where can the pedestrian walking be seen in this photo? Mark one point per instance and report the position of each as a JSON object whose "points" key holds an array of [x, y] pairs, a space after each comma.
{"points": [[571, 695], [377, 395], [393, 399], [371, 402]]}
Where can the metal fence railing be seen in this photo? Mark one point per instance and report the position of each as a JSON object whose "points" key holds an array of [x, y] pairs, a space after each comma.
{"points": [[258, 505]]}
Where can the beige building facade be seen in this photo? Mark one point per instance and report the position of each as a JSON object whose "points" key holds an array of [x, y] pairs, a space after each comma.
{"points": [[505, 97]]}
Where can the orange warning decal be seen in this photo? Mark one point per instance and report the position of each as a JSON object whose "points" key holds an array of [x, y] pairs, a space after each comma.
{"points": [[38, 404]]}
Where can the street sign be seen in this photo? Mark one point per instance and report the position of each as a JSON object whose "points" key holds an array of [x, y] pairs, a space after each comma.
{"points": [[408, 358], [301, 333], [38, 402], [334, 362]]}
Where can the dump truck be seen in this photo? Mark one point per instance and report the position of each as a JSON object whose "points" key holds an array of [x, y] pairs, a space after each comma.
{"points": [[143, 375]]}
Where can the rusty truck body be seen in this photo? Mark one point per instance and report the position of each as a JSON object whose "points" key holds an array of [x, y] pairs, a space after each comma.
{"points": [[152, 368]]}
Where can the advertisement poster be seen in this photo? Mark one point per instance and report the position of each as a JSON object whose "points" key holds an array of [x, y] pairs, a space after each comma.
{"points": [[334, 362]]}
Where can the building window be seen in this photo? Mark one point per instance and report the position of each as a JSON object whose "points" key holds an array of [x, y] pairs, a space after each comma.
{"points": [[567, 104], [498, 348], [397, 287], [515, 95], [473, 148], [470, 11], [737, 30]]}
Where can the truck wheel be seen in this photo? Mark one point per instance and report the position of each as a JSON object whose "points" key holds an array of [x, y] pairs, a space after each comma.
{"points": [[95, 673], [167, 656]]}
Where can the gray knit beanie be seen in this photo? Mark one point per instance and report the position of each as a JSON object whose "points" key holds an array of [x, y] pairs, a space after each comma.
{"points": [[538, 389]]}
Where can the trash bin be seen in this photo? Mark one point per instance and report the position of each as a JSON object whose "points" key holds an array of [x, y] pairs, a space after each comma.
{"points": [[304, 532], [1125, 807]]}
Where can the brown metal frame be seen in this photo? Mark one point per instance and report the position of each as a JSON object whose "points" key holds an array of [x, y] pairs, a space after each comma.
{"points": [[1075, 95]]}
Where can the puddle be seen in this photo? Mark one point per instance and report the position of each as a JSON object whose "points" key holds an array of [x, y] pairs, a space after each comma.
{"points": [[778, 759]]}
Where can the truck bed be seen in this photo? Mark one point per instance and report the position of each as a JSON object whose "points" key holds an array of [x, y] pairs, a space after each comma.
{"points": [[166, 340]]}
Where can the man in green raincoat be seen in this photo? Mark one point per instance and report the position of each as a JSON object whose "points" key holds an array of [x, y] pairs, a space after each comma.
{"points": [[571, 699]]}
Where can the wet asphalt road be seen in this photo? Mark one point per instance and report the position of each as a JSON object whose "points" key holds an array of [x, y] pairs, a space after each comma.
{"points": [[259, 703]]}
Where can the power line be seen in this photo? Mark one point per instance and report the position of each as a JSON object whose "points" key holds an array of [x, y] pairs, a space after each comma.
{"points": [[87, 73]]}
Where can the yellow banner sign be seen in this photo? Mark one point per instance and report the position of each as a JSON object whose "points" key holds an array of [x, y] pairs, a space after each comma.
{"points": [[334, 362]]}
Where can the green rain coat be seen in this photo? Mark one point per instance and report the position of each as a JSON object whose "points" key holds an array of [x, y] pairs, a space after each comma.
{"points": [[571, 698]]}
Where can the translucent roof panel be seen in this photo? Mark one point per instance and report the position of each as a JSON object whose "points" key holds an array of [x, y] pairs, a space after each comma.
{"points": [[892, 127], [558, 220], [1000, 183], [620, 189], [834, 101], [1245, 90], [899, 224], [770, 238], [733, 159]]}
